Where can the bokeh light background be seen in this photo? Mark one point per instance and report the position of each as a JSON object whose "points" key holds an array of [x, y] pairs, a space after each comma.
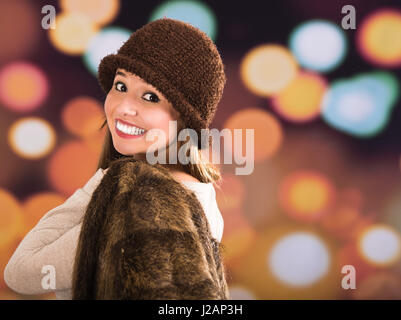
{"points": [[324, 103]]}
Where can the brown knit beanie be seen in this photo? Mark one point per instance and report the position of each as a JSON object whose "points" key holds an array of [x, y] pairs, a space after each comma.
{"points": [[179, 60]]}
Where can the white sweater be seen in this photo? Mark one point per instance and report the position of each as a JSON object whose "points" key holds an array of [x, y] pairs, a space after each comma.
{"points": [[53, 241]]}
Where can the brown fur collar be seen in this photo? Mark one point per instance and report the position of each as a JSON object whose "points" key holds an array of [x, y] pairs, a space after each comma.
{"points": [[145, 236]]}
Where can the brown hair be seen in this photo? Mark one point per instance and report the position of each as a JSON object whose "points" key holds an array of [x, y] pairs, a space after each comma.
{"points": [[198, 166]]}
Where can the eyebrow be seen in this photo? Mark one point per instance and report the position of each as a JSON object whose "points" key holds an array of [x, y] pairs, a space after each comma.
{"points": [[121, 73]]}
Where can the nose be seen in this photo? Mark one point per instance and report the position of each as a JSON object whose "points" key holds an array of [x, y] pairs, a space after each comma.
{"points": [[128, 107]]}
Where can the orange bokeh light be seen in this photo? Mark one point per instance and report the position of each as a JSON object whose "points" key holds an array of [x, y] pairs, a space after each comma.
{"points": [[23, 86], [306, 195], [83, 116], [71, 166], [268, 134]]}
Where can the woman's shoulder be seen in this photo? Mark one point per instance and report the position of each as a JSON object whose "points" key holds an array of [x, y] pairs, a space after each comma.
{"points": [[184, 177]]}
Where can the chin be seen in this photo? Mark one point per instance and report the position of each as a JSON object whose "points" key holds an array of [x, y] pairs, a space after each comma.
{"points": [[126, 150]]}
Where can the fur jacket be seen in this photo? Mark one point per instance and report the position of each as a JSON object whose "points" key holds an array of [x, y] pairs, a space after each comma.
{"points": [[145, 236]]}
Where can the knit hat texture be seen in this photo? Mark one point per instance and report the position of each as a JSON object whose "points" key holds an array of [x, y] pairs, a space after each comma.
{"points": [[180, 61]]}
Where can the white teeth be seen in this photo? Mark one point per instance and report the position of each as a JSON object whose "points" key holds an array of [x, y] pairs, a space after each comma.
{"points": [[129, 130]]}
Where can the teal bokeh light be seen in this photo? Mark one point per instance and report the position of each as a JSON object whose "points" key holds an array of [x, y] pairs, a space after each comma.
{"points": [[194, 12], [105, 42], [361, 106]]}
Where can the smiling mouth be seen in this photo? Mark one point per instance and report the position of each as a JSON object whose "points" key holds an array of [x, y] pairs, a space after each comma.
{"points": [[125, 130]]}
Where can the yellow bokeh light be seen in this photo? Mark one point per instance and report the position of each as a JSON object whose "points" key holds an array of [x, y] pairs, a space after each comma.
{"points": [[379, 38], [267, 69], [300, 101], [304, 191], [268, 134], [73, 33], [31, 138], [98, 11], [306, 195], [83, 116]]}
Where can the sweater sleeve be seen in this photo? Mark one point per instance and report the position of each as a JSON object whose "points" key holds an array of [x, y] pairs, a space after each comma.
{"points": [[49, 248]]}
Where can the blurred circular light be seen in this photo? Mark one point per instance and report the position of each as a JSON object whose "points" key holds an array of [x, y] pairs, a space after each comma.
{"points": [[267, 69], [267, 135], [360, 106], [300, 101], [98, 11], [23, 86], [82, 116], [380, 245], [299, 259], [31, 138], [306, 195], [71, 166], [73, 33], [195, 13], [238, 292], [307, 278], [105, 42], [383, 86], [378, 38], [318, 45]]}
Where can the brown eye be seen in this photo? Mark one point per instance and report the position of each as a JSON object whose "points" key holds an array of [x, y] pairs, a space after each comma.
{"points": [[154, 98], [120, 86]]}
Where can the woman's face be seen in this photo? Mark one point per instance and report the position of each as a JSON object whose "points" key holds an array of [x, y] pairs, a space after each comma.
{"points": [[138, 104]]}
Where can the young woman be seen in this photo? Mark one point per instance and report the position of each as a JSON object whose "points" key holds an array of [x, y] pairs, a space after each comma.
{"points": [[138, 229]]}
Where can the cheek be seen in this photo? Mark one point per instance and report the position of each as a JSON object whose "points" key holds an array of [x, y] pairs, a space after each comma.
{"points": [[108, 106], [161, 120]]}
